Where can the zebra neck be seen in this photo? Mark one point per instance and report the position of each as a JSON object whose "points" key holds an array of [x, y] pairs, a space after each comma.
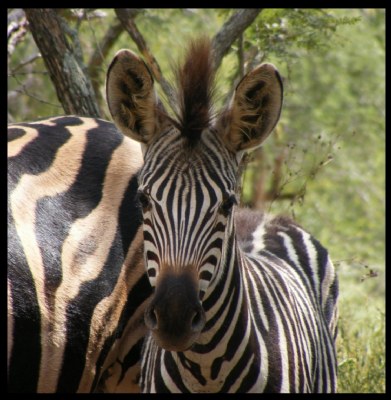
{"points": [[226, 313]]}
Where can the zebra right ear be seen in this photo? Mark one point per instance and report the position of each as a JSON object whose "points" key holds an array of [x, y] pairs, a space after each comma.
{"points": [[131, 96], [254, 110]]}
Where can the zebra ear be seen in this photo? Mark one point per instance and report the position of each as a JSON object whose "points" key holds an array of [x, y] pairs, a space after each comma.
{"points": [[131, 96], [254, 110]]}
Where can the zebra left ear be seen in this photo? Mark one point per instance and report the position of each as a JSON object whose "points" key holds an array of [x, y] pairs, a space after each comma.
{"points": [[255, 109], [131, 96]]}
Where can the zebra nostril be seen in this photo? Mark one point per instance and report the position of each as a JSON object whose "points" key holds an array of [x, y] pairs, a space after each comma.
{"points": [[150, 318], [198, 320]]}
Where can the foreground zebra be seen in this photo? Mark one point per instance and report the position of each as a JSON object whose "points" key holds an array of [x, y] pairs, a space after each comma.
{"points": [[242, 302], [77, 287]]}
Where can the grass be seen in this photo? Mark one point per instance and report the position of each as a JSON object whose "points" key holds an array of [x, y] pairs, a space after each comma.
{"points": [[361, 337]]}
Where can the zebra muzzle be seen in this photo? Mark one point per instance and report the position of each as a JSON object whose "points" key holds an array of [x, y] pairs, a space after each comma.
{"points": [[175, 315]]}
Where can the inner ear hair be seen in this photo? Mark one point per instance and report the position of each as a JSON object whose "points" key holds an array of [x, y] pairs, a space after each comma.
{"points": [[254, 110], [131, 96]]}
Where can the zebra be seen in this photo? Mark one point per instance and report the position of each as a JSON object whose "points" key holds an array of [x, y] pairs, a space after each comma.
{"points": [[242, 301], [77, 287]]}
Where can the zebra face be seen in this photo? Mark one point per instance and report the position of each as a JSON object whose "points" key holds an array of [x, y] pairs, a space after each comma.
{"points": [[187, 184], [187, 196]]}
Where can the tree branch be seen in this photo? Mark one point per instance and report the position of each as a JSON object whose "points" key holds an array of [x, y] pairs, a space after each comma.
{"points": [[127, 20], [107, 43], [73, 86], [230, 31], [16, 29], [241, 56], [100, 54], [104, 47], [22, 64], [221, 43]]}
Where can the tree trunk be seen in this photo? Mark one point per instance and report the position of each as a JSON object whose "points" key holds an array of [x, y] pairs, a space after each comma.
{"points": [[73, 86]]}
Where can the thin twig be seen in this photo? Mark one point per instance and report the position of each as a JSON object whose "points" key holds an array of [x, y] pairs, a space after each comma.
{"points": [[99, 55], [24, 63], [26, 93]]}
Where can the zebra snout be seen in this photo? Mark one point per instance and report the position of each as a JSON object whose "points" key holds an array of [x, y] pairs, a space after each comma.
{"points": [[198, 320], [150, 318], [175, 315]]}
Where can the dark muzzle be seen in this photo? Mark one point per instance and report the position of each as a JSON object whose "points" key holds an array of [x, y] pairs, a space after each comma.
{"points": [[175, 315]]}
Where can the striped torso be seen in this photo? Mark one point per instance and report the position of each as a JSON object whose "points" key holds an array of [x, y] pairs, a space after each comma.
{"points": [[76, 284]]}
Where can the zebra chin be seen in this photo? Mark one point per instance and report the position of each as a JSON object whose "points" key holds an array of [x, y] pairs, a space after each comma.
{"points": [[175, 315]]}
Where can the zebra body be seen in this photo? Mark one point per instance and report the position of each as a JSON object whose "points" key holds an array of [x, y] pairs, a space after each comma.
{"points": [[76, 281], [241, 303]]}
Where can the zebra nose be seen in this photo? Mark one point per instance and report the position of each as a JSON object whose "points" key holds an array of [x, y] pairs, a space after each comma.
{"points": [[175, 315], [198, 320], [151, 318]]}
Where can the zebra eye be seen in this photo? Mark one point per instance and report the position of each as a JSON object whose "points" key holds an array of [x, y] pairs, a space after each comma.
{"points": [[227, 204], [143, 199]]}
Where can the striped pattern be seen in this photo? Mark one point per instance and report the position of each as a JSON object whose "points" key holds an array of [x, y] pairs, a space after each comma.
{"points": [[271, 319], [242, 302], [179, 237], [76, 282]]}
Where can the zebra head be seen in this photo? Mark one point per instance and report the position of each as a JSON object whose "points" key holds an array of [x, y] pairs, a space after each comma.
{"points": [[188, 182]]}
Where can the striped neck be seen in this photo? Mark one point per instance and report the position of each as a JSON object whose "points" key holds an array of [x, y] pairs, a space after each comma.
{"points": [[218, 347]]}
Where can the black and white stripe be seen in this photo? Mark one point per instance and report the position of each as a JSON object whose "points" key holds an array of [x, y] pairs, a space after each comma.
{"points": [[271, 320], [76, 281], [186, 204], [242, 302]]}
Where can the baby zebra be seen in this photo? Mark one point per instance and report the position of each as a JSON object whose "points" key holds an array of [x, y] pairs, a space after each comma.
{"points": [[242, 302]]}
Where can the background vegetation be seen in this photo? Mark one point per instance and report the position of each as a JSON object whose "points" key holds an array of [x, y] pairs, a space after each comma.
{"points": [[325, 163]]}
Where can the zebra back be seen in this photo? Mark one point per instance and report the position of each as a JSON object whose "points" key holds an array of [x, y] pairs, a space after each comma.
{"points": [[283, 237], [76, 282]]}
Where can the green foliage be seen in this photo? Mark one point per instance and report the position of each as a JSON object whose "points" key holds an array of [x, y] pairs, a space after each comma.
{"points": [[282, 32], [332, 138], [333, 124], [361, 336]]}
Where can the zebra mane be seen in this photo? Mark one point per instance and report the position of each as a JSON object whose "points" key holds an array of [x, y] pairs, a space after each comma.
{"points": [[195, 84]]}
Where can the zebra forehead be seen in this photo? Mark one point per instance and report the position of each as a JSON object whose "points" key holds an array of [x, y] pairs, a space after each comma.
{"points": [[189, 178], [170, 271], [170, 151]]}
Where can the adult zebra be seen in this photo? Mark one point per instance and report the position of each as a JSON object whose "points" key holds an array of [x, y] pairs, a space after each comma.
{"points": [[242, 302], [77, 287]]}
